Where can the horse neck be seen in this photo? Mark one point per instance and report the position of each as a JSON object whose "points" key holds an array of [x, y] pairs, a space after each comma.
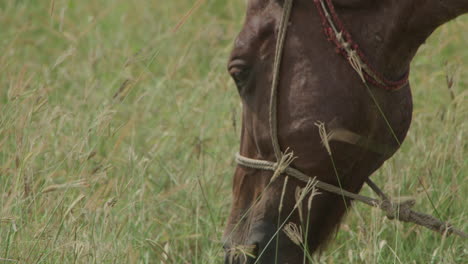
{"points": [[392, 31]]}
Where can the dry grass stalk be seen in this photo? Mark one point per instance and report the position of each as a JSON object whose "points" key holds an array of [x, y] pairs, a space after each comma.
{"points": [[291, 230], [297, 196], [161, 251], [310, 186], [70, 208], [124, 89], [9, 260], [324, 136], [280, 208], [294, 233], [287, 157], [301, 193], [74, 184], [69, 52], [111, 202], [241, 252], [311, 197], [7, 219]]}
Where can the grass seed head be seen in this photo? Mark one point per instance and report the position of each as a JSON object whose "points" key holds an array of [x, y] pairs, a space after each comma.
{"points": [[294, 233]]}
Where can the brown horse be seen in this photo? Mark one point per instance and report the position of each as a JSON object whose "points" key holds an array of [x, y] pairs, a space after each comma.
{"points": [[318, 84]]}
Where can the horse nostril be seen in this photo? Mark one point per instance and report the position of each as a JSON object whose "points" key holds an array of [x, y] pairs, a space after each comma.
{"points": [[226, 246]]}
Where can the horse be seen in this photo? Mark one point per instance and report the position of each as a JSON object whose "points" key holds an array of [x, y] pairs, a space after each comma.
{"points": [[343, 106]]}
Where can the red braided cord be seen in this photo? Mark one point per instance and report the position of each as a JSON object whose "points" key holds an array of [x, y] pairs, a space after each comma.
{"points": [[337, 20], [382, 82]]}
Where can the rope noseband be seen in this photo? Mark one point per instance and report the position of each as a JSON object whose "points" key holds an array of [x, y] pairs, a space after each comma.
{"points": [[401, 211]]}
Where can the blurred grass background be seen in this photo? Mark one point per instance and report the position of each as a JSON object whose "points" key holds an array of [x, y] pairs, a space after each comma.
{"points": [[116, 120]]}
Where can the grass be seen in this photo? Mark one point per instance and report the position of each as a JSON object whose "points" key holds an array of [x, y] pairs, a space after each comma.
{"points": [[118, 126]]}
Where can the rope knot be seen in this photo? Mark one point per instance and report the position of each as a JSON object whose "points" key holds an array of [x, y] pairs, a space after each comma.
{"points": [[287, 157], [401, 211]]}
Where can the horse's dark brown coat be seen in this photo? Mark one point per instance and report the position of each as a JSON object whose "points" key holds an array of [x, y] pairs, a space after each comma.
{"points": [[316, 84]]}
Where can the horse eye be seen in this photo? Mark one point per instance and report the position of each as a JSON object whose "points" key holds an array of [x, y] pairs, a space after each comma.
{"points": [[239, 76], [239, 72]]}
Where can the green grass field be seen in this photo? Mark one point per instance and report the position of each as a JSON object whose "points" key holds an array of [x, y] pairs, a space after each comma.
{"points": [[118, 122]]}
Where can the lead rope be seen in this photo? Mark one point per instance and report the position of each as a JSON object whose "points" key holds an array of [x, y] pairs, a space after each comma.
{"points": [[400, 211]]}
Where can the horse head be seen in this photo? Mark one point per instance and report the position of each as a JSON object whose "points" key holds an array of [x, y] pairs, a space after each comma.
{"points": [[364, 114]]}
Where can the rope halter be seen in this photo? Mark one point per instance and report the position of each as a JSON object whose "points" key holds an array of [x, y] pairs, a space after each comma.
{"points": [[400, 211]]}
